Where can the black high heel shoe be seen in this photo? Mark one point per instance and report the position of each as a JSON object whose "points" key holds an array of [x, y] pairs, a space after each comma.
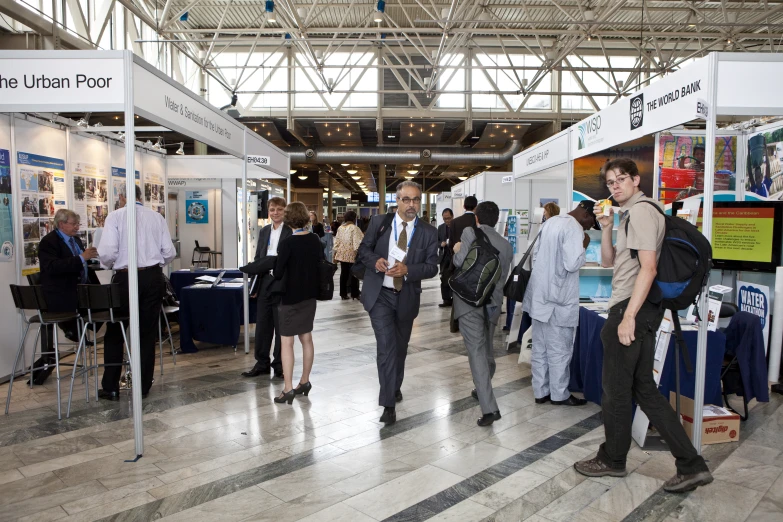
{"points": [[286, 397], [303, 388]]}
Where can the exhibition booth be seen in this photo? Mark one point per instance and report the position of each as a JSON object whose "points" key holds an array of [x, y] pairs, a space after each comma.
{"points": [[46, 165], [709, 185]]}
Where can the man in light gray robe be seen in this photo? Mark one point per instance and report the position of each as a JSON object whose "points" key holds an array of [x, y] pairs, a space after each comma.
{"points": [[478, 329], [552, 301]]}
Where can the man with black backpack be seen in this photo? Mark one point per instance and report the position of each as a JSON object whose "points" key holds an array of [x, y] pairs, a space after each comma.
{"points": [[477, 323], [628, 336]]}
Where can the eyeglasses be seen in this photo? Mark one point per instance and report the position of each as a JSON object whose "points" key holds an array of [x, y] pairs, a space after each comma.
{"points": [[619, 180], [408, 201]]}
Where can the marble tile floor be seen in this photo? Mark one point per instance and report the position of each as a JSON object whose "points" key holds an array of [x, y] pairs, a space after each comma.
{"points": [[218, 448]]}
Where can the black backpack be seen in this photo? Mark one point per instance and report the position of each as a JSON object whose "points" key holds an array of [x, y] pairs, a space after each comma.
{"points": [[475, 280], [683, 269]]}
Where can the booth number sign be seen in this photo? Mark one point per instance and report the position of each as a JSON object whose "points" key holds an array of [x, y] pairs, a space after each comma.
{"points": [[263, 161]]}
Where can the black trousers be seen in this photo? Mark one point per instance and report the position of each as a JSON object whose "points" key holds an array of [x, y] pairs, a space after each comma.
{"points": [[151, 290], [445, 291], [628, 375], [348, 283], [268, 329], [392, 336]]}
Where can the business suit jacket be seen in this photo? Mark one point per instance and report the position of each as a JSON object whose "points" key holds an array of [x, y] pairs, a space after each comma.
{"points": [[466, 220], [422, 262], [443, 235], [506, 255], [61, 271], [265, 279]]}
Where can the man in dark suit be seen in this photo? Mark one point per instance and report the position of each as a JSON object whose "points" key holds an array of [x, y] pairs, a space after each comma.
{"points": [[458, 225], [266, 320], [444, 257], [396, 260], [63, 261]]}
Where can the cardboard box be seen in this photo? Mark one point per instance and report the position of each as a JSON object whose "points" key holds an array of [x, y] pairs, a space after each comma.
{"points": [[718, 424]]}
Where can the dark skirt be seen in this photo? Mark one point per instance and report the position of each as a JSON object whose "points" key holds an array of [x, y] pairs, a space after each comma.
{"points": [[296, 319]]}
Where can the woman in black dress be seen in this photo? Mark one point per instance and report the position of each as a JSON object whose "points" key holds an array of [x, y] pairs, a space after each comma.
{"points": [[297, 265], [315, 226]]}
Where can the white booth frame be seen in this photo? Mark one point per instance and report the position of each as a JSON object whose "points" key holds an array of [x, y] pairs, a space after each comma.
{"points": [[119, 81]]}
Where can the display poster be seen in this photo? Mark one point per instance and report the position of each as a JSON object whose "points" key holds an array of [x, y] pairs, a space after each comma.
{"points": [[196, 207], [754, 299], [118, 186], [681, 165], [587, 169], [43, 192], [765, 164], [6, 211], [742, 234], [91, 195], [154, 192]]}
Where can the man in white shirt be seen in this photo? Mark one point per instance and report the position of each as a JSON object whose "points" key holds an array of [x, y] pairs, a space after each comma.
{"points": [[153, 250], [552, 301], [266, 315]]}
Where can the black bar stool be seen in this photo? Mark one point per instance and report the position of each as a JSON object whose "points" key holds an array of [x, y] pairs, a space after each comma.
{"points": [[32, 298], [100, 301]]}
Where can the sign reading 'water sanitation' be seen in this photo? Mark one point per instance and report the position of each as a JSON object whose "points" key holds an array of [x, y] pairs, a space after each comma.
{"points": [[674, 99], [63, 83]]}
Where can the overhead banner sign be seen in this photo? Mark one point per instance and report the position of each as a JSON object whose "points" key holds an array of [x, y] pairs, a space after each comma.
{"points": [[542, 156], [39, 81], [670, 101], [183, 111]]}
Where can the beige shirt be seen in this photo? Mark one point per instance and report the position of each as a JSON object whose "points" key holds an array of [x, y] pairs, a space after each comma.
{"points": [[645, 232]]}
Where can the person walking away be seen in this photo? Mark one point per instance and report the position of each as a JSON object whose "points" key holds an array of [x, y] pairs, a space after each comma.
{"points": [[552, 301], [346, 245], [477, 325], [444, 258], [628, 336]]}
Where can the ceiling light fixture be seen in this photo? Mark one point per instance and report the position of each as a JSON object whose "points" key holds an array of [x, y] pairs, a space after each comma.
{"points": [[356, 177], [462, 178], [270, 10], [379, 10], [344, 164], [352, 171], [412, 172], [303, 176], [158, 144], [292, 171], [181, 149]]}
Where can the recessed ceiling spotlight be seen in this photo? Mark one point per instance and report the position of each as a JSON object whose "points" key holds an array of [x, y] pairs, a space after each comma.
{"points": [[352, 171]]}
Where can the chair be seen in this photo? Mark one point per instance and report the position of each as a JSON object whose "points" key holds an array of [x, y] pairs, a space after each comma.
{"points": [[164, 311], [32, 298], [100, 301], [200, 256]]}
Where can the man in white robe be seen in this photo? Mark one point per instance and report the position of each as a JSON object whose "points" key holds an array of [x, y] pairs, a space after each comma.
{"points": [[552, 301]]}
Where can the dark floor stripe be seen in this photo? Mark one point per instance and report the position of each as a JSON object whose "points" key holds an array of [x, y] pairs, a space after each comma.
{"points": [[452, 496], [219, 488]]}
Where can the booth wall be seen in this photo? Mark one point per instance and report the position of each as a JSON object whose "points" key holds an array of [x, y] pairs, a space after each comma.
{"points": [[9, 321]]}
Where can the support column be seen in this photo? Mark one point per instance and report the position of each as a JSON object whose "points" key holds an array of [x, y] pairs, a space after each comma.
{"points": [[329, 202], [381, 189]]}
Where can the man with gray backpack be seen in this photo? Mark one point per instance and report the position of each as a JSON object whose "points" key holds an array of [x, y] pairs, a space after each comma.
{"points": [[483, 258]]}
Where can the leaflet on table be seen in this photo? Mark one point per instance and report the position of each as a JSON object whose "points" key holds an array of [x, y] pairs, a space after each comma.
{"points": [[713, 311], [43, 192], [90, 193], [6, 210]]}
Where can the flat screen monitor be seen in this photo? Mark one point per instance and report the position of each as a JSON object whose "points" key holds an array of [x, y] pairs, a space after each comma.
{"points": [[746, 235]]}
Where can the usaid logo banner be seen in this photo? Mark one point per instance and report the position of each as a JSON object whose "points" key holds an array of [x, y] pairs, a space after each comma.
{"points": [[637, 111], [589, 132], [754, 299]]}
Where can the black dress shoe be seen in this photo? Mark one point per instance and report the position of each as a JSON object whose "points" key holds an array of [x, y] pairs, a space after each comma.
{"points": [[505, 328], [570, 401], [398, 396], [445, 304], [542, 400], [108, 396], [256, 371], [488, 418], [474, 394], [389, 416]]}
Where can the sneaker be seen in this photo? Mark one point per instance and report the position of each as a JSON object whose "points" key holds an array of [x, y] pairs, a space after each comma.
{"points": [[682, 483], [597, 468]]}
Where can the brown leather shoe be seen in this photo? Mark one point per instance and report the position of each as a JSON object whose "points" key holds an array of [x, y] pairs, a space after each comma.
{"points": [[597, 468]]}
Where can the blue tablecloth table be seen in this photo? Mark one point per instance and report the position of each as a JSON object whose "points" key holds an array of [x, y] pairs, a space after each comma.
{"points": [[211, 315], [588, 358], [181, 279]]}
